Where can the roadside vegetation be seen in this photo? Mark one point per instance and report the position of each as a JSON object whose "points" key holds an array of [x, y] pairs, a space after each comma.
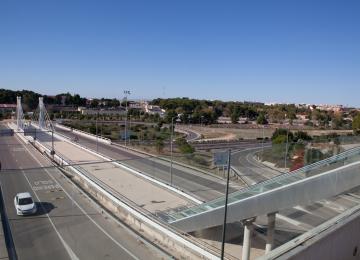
{"points": [[294, 150]]}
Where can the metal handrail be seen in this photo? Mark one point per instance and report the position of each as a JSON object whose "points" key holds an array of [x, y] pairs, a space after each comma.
{"points": [[335, 158]]}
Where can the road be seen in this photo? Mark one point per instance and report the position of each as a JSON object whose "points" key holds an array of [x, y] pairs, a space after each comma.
{"points": [[293, 221], [290, 222], [204, 187], [252, 170], [68, 224]]}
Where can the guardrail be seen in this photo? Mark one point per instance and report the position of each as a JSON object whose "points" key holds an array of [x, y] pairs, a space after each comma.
{"points": [[88, 135], [7, 236], [208, 250], [305, 169]]}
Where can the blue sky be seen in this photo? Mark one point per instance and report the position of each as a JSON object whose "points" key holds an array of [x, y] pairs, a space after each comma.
{"points": [[285, 51]]}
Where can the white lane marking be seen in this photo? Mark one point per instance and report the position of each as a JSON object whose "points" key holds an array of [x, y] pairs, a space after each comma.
{"points": [[333, 205], [304, 210], [83, 211], [293, 221], [67, 247], [354, 195], [350, 198]]}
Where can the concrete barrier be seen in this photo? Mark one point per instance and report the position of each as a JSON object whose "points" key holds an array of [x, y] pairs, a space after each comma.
{"points": [[171, 240], [85, 134]]}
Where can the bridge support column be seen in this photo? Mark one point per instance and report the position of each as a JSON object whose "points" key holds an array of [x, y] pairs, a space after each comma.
{"points": [[248, 227], [270, 232]]}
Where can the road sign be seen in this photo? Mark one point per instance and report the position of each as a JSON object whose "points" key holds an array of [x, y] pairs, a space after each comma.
{"points": [[128, 134], [6, 132], [221, 158]]}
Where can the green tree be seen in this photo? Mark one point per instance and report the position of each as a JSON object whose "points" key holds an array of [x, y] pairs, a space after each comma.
{"points": [[184, 146], [301, 135], [281, 135], [235, 114], [169, 115], [261, 120], [356, 124], [159, 145]]}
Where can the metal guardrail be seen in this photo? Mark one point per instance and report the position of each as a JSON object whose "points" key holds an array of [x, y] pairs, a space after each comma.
{"points": [[10, 246]]}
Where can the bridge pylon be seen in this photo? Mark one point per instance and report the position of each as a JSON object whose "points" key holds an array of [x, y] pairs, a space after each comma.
{"points": [[41, 116], [19, 114]]}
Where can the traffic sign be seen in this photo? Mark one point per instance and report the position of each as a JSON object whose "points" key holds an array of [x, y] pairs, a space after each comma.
{"points": [[221, 158], [128, 134]]}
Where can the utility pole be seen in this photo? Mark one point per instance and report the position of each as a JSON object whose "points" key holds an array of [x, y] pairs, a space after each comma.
{"points": [[126, 92], [97, 137], [171, 150], [225, 206], [52, 143], [286, 148], [263, 140]]}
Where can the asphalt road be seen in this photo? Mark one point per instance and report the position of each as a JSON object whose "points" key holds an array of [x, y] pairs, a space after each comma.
{"points": [[68, 225], [290, 222], [201, 186], [252, 170]]}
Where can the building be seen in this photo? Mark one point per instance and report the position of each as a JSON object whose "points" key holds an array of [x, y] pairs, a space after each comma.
{"points": [[152, 110], [88, 111], [7, 108]]}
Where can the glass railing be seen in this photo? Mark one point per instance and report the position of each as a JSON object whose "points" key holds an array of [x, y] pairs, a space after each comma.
{"points": [[273, 183]]}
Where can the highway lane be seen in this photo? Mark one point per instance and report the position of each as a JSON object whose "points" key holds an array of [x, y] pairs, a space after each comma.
{"points": [[254, 171], [68, 225], [202, 186], [293, 221], [290, 222]]}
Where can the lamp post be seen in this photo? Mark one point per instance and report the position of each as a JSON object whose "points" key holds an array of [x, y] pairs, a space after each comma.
{"points": [[262, 143], [171, 150], [126, 92], [129, 130], [287, 144], [225, 206], [52, 143], [97, 137]]}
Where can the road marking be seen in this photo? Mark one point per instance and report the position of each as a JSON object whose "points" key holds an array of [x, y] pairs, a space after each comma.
{"points": [[304, 210], [332, 205], [350, 198], [354, 195], [293, 221], [82, 210], [67, 247]]}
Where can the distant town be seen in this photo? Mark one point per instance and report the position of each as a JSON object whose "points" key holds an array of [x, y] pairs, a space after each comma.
{"points": [[184, 110]]}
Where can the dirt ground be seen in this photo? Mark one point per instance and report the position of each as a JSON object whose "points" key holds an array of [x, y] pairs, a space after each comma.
{"points": [[212, 134]]}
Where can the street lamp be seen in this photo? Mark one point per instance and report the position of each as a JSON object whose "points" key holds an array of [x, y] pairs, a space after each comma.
{"points": [[52, 152], [126, 92], [225, 205], [262, 143], [287, 144], [97, 137], [171, 150]]}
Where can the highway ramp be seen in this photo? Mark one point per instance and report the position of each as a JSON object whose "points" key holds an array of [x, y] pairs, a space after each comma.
{"points": [[68, 225]]}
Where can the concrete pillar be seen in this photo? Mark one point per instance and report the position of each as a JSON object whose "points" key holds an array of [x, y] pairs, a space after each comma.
{"points": [[248, 227], [270, 232]]}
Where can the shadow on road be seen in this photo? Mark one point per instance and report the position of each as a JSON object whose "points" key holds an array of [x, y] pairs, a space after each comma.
{"points": [[43, 208]]}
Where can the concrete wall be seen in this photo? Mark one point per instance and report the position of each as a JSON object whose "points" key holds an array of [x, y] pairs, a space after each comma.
{"points": [[180, 246], [85, 134], [341, 241]]}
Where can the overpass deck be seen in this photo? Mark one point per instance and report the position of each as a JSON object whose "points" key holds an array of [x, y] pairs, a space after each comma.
{"points": [[317, 181], [147, 195]]}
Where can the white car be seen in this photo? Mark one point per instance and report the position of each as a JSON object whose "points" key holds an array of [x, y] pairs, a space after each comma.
{"points": [[24, 204]]}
